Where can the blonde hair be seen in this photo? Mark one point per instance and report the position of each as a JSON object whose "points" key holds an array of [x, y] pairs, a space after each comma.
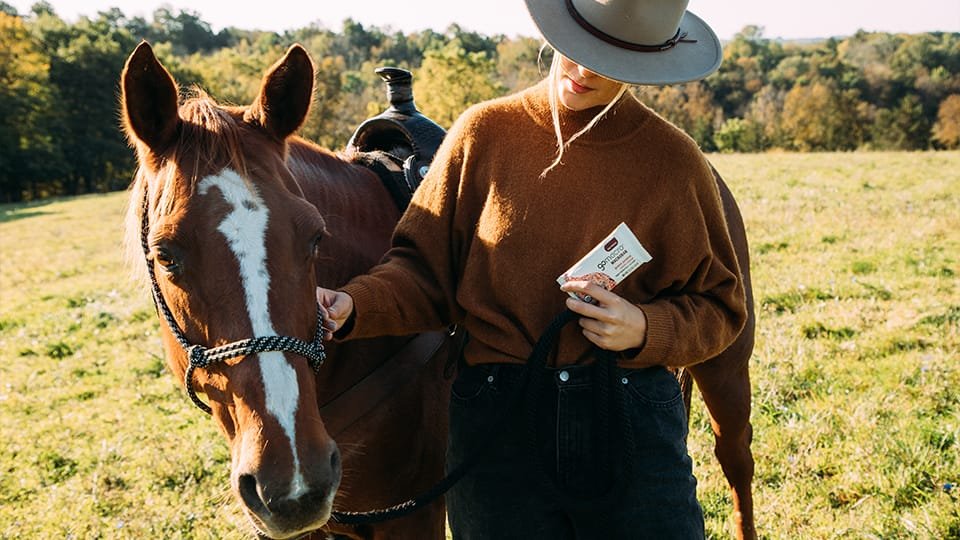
{"points": [[555, 113]]}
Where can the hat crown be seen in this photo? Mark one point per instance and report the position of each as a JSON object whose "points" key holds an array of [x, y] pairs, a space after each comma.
{"points": [[631, 41], [647, 22]]}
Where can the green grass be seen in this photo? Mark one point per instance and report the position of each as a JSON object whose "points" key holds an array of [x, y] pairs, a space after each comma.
{"points": [[855, 376]]}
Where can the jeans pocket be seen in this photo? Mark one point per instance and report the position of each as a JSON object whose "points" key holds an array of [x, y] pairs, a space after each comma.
{"points": [[655, 386], [472, 382]]}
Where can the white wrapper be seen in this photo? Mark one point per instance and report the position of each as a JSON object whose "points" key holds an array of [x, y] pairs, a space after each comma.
{"points": [[610, 262]]}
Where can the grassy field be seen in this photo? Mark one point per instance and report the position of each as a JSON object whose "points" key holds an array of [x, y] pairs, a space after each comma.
{"points": [[856, 377]]}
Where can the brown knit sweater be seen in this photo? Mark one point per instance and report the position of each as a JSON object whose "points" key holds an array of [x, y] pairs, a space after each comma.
{"points": [[485, 237]]}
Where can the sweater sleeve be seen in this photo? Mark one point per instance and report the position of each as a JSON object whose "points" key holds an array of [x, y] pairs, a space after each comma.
{"points": [[701, 308], [414, 286]]}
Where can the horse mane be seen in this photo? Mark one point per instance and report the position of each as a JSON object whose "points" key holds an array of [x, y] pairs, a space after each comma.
{"points": [[209, 139], [307, 159]]}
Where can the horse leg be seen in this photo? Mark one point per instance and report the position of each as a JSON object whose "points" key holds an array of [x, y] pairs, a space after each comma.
{"points": [[724, 383]]}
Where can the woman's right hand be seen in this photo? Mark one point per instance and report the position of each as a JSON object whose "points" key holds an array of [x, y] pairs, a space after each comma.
{"points": [[336, 307]]}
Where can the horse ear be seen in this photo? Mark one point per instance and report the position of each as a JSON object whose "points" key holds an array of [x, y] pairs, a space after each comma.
{"points": [[285, 94], [149, 100]]}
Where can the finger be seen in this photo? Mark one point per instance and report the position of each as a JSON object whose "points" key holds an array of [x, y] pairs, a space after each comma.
{"points": [[334, 304], [330, 324], [580, 286], [326, 297], [594, 326], [580, 307], [342, 305], [602, 311], [588, 290], [602, 295], [321, 297], [594, 338]]}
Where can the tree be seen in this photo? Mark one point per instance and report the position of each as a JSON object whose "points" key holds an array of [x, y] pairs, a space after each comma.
{"points": [[185, 30], [42, 8], [397, 50], [331, 121], [451, 79], [819, 117], [472, 42], [85, 64], [870, 53], [739, 135], [520, 64], [28, 155], [765, 114], [232, 75], [58, 86], [746, 60], [902, 128], [947, 129], [690, 107], [355, 43]]}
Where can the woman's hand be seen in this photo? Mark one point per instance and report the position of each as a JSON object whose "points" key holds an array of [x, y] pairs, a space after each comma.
{"points": [[609, 321], [336, 308]]}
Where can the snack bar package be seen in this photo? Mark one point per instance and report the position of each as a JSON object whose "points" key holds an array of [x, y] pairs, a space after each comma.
{"points": [[610, 262]]}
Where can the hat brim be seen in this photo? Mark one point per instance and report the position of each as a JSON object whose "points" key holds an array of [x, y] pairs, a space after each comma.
{"points": [[683, 63]]}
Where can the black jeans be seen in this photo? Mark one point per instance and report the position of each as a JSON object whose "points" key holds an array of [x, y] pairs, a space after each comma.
{"points": [[512, 491]]}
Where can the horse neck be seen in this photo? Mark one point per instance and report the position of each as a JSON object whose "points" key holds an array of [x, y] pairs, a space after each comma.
{"points": [[359, 213], [360, 217]]}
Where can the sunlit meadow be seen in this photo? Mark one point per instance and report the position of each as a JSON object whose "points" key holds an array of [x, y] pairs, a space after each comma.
{"points": [[856, 381]]}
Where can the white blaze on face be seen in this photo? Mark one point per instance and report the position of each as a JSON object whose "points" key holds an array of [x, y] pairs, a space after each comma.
{"points": [[245, 229]]}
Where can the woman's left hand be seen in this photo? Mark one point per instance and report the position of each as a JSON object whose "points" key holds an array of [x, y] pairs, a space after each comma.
{"points": [[609, 321]]}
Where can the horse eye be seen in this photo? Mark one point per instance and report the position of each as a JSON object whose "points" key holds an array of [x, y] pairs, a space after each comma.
{"points": [[315, 249], [164, 257]]}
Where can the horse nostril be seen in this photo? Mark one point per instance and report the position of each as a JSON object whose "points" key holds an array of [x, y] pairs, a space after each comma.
{"points": [[335, 461], [247, 485]]}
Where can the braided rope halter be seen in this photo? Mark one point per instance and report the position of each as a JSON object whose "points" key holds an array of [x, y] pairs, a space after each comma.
{"points": [[201, 356]]}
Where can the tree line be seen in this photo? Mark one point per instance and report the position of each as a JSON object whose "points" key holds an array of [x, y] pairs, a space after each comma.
{"points": [[59, 127]]}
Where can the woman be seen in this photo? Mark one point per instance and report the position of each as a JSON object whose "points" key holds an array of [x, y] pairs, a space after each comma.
{"points": [[520, 190]]}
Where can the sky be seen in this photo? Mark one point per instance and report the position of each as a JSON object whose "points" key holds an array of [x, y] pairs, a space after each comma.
{"points": [[788, 20]]}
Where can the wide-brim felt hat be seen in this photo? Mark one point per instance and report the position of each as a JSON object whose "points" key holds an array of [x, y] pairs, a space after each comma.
{"points": [[655, 42]]}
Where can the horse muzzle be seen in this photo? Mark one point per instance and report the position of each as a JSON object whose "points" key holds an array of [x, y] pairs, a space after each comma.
{"points": [[285, 505]]}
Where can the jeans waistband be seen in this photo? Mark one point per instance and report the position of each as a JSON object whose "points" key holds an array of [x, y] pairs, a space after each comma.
{"points": [[572, 375]]}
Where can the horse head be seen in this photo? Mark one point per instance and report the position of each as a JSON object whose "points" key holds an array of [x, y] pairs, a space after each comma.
{"points": [[232, 245]]}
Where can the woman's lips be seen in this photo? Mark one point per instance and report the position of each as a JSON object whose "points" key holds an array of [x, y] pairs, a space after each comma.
{"points": [[577, 88]]}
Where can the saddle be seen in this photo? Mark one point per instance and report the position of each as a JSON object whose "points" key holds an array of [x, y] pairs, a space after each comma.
{"points": [[399, 143]]}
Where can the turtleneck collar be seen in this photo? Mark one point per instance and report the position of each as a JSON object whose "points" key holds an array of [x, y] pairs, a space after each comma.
{"points": [[623, 120]]}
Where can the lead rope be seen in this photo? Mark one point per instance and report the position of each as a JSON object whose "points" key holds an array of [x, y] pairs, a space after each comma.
{"points": [[200, 356], [536, 361], [611, 420]]}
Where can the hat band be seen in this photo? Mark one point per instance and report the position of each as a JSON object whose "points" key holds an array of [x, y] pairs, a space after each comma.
{"points": [[679, 37]]}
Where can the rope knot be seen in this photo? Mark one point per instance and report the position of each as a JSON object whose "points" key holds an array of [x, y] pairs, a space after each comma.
{"points": [[316, 355], [198, 356]]}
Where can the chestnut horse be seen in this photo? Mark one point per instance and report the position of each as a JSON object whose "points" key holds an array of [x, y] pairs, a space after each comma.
{"points": [[225, 205], [237, 244]]}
